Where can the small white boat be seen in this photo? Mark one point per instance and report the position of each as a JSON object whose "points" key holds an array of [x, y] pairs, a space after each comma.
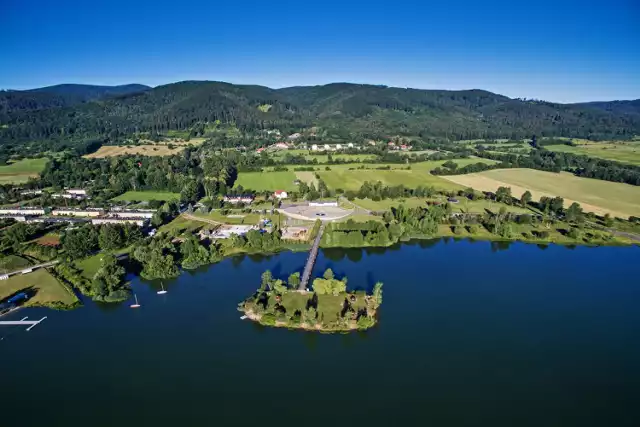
{"points": [[136, 305], [162, 292], [243, 317]]}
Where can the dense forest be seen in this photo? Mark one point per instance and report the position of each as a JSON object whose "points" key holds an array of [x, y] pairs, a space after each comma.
{"points": [[69, 117]]}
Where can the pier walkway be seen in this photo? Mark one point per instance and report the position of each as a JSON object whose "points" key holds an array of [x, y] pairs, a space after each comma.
{"points": [[311, 260]]}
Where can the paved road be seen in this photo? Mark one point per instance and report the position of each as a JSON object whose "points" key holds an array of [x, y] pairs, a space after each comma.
{"points": [[34, 267]]}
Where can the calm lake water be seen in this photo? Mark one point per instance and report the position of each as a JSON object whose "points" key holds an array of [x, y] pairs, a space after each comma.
{"points": [[470, 334]]}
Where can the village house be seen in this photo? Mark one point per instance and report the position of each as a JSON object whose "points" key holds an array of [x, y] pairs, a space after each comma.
{"points": [[314, 147], [294, 136], [245, 198], [280, 146], [260, 150], [280, 194]]}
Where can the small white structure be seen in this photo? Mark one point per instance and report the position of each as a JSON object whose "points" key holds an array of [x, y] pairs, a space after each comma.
{"points": [[246, 199], [338, 146], [327, 147], [314, 147], [280, 146], [321, 204], [280, 194], [30, 192], [350, 145], [76, 191], [294, 136]]}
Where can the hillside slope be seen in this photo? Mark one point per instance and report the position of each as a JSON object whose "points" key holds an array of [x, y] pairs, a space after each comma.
{"points": [[348, 110]]}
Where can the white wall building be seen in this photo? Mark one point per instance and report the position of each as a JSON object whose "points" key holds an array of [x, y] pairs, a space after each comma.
{"points": [[21, 211], [107, 220], [78, 212]]}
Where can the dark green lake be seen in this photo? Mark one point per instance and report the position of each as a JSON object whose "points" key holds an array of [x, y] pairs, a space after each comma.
{"points": [[470, 334]]}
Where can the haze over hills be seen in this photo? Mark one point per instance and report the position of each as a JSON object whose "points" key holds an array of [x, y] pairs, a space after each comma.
{"points": [[75, 113]]}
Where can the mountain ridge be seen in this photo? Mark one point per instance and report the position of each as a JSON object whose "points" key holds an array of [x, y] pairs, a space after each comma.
{"points": [[345, 110]]}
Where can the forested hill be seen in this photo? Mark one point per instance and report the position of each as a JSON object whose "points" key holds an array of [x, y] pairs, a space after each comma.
{"points": [[63, 95], [347, 110]]}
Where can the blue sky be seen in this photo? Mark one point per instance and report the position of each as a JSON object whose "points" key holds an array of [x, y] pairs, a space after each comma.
{"points": [[564, 51]]}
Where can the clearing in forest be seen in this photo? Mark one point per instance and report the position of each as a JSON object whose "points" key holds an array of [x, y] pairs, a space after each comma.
{"points": [[164, 148], [594, 195], [19, 172]]}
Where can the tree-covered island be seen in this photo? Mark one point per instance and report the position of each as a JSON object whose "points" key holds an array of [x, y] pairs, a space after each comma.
{"points": [[328, 307]]}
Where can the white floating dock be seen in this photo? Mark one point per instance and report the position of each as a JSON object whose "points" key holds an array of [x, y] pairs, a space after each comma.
{"points": [[23, 322]]}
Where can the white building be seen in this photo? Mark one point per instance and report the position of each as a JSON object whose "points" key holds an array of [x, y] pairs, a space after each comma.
{"points": [[320, 204], [21, 211], [314, 147], [110, 220], [247, 199], [327, 147], [76, 191], [294, 136], [30, 192], [280, 194], [130, 213], [78, 212], [350, 145]]}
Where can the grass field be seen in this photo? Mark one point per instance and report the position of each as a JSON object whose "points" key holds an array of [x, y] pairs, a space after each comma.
{"points": [[157, 149], [624, 152], [465, 205], [11, 263], [20, 171], [594, 195], [145, 196], [182, 224], [47, 288], [263, 181], [353, 179], [307, 177]]}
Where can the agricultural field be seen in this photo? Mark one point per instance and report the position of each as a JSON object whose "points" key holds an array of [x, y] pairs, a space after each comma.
{"points": [[47, 288], [419, 175], [267, 181], [601, 197], [152, 149], [145, 196], [19, 172], [619, 151]]}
